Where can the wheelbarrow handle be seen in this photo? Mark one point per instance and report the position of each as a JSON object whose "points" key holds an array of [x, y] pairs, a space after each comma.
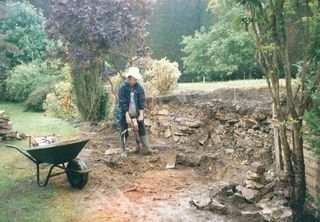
{"points": [[21, 151]]}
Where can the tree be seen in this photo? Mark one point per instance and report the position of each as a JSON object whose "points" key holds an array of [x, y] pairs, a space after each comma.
{"points": [[43, 5], [269, 21], [172, 19], [5, 47], [223, 52], [23, 27], [93, 33]]}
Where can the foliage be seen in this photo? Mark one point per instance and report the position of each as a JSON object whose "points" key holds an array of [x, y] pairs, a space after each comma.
{"points": [[270, 22], [312, 130], [112, 90], [43, 5], [161, 76], [37, 97], [25, 78], [220, 53], [23, 26], [5, 47], [172, 19], [101, 29], [93, 32], [60, 103], [90, 95], [312, 116]]}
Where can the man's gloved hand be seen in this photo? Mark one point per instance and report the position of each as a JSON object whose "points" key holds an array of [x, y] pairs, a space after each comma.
{"points": [[140, 118], [128, 118]]}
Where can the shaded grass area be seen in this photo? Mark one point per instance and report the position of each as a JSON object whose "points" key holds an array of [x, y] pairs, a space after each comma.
{"points": [[20, 198]]}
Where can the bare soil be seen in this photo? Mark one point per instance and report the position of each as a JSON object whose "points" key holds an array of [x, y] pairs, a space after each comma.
{"points": [[140, 188]]}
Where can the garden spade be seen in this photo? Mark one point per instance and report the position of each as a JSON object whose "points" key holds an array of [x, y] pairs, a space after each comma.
{"points": [[172, 158]]}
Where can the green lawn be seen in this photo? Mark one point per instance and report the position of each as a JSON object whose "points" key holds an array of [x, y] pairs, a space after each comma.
{"points": [[20, 198], [208, 86]]}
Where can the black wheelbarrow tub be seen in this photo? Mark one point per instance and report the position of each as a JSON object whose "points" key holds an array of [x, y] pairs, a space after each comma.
{"points": [[58, 153]]}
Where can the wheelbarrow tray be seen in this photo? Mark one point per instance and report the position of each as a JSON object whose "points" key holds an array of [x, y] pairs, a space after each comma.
{"points": [[57, 153]]}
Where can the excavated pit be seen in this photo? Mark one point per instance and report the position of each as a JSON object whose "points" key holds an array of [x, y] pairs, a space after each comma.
{"points": [[224, 146]]}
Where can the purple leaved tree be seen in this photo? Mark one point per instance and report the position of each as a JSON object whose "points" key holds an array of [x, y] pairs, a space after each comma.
{"points": [[93, 33]]}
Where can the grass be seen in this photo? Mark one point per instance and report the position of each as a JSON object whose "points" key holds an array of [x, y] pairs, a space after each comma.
{"points": [[20, 198], [209, 86]]}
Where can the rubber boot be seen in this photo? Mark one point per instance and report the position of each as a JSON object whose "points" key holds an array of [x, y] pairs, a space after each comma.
{"points": [[123, 152], [138, 148], [146, 150]]}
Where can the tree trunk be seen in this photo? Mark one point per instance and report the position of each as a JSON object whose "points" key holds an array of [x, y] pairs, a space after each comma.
{"points": [[295, 168], [299, 194]]}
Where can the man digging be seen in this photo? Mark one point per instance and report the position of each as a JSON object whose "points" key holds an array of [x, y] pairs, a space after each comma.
{"points": [[131, 99]]}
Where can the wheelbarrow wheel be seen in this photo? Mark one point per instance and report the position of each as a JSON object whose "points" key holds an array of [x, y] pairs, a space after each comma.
{"points": [[76, 178]]}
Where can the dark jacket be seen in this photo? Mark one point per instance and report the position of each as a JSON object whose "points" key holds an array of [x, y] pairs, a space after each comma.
{"points": [[124, 100]]}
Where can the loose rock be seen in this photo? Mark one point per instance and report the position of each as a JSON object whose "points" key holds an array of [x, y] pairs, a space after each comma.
{"points": [[167, 133], [273, 211], [250, 195], [257, 167], [216, 207]]}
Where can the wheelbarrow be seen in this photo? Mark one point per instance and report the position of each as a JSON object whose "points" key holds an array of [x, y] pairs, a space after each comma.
{"points": [[57, 155]]}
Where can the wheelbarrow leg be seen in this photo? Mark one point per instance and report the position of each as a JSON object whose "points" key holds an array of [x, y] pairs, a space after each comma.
{"points": [[47, 178]]}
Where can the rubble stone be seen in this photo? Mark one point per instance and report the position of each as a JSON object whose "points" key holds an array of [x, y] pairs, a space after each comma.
{"points": [[163, 112], [6, 132], [247, 123], [273, 211], [255, 177], [196, 124], [252, 184], [257, 167], [217, 207], [201, 201], [251, 195], [167, 133]]}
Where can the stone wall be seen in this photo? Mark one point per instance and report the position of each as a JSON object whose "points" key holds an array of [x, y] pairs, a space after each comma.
{"points": [[236, 127]]}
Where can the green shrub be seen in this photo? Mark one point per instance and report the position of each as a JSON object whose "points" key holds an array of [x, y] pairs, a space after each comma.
{"points": [[161, 77], [25, 78], [37, 97], [23, 26], [60, 103]]}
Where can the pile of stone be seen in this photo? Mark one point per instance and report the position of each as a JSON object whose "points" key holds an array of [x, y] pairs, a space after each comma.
{"points": [[256, 199], [258, 189], [6, 131], [254, 187]]}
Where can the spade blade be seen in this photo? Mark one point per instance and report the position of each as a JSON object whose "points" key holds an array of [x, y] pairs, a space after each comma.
{"points": [[171, 161]]}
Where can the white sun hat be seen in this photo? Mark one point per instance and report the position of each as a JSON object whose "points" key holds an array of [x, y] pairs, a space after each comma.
{"points": [[134, 72]]}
